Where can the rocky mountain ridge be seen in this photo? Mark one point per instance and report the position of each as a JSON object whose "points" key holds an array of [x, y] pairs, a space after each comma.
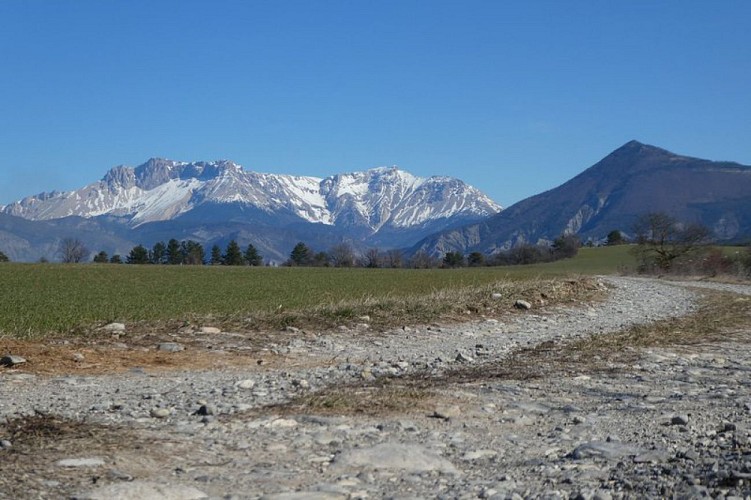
{"points": [[212, 202], [162, 190], [632, 180]]}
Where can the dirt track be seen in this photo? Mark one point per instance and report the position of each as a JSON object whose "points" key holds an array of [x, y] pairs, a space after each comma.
{"points": [[669, 421]]}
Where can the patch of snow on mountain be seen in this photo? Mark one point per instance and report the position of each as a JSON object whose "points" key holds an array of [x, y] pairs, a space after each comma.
{"points": [[166, 201], [351, 184], [304, 194]]}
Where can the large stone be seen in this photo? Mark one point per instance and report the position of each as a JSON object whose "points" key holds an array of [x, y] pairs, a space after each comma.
{"points": [[160, 412], [283, 423], [479, 455], [394, 456], [170, 347], [306, 495], [204, 410], [446, 412], [11, 360], [463, 358], [604, 450], [650, 457], [144, 490], [80, 462], [114, 327], [522, 304], [679, 420], [245, 384]]}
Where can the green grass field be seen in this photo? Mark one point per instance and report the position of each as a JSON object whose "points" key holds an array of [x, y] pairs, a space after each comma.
{"points": [[39, 299], [601, 260]]}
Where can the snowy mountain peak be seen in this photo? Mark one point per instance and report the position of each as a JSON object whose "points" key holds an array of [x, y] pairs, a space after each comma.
{"points": [[163, 189]]}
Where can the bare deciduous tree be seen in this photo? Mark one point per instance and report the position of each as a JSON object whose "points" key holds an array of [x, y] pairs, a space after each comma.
{"points": [[422, 260], [661, 239], [342, 255], [393, 259], [372, 258], [72, 251]]}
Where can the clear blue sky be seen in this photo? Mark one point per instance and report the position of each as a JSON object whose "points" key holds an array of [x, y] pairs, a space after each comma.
{"points": [[514, 97]]}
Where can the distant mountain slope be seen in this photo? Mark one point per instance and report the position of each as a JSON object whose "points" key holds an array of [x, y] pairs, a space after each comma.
{"points": [[632, 180], [25, 240], [215, 201]]}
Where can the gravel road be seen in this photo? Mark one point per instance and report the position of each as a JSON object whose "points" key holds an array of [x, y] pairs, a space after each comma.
{"points": [[673, 424]]}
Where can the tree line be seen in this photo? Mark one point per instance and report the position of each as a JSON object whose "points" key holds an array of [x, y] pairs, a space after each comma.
{"points": [[344, 255], [660, 243], [187, 252]]}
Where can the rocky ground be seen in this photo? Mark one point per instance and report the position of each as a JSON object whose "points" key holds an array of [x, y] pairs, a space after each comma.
{"points": [[509, 408]]}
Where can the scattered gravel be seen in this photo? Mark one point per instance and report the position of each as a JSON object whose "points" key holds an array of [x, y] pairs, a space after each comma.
{"points": [[675, 424]]}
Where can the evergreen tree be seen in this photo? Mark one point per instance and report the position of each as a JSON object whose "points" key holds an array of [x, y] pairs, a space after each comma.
{"points": [[252, 257], [475, 259], [319, 259], [615, 237], [3, 257], [116, 259], [158, 253], [174, 254], [300, 255], [566, 246], [138, 255], [453, 259], [216, 255], [192, 253], [233, 256], [101, 257]]}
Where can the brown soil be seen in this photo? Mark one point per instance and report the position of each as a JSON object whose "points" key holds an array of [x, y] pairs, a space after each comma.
{"points": [[112, 355]]}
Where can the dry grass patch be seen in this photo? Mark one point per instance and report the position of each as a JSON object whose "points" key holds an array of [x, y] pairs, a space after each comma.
{"points": [[720, 317], [385, 396], [84, 357], [391, 310], [43, 431], [29, 470]]}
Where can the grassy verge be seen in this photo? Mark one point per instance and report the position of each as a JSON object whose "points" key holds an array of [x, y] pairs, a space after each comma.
{"points": [[382, 397], [40, 300]]}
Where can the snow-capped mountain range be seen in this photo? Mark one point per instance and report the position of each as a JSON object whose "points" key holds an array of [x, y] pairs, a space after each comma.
{"points": [[356, 206], [162, 190]]}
